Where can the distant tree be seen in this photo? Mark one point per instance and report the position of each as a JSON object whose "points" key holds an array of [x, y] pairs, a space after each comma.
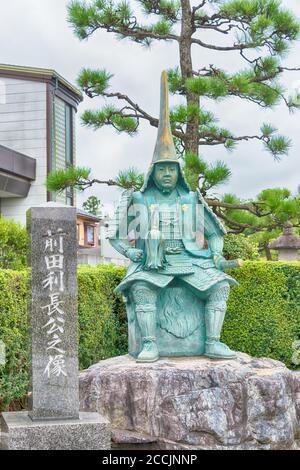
{"points": [[92, 205], [260, 31]]}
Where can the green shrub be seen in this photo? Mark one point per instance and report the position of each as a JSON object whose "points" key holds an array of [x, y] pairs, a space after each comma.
{"points": [[102, 330], [13, 245], [14, 334], [240, 246], [263, 317], [102, 326]]}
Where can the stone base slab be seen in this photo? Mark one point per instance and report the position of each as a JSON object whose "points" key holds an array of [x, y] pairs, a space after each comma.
{"points": [[90, 432]]}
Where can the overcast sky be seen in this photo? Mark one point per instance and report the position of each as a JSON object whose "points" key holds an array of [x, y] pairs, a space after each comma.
{"points": [[36, 33]]}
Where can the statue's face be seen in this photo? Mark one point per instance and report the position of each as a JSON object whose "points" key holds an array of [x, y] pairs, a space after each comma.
{"points": [[166, 176]]}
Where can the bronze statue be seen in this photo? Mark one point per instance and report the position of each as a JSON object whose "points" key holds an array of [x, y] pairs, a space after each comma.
{"points": [[175, 289]]}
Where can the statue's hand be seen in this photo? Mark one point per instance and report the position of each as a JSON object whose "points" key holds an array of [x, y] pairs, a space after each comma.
{"points": [[134, 254], [219, 260], [222, 263]]}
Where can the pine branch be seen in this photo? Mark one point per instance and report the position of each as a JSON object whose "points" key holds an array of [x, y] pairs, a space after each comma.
{"points": [[277, 145], [119, 119], [271, 210], [87, 184], [198, 7], [234, 47], [127, 118], [253, 208], [239, 227], [141, 113], [79, 179], [115, 18], [262, 24], [291, 69], [137, 112], [211, 138], [168, 9], [257, 85], [139, 34]]}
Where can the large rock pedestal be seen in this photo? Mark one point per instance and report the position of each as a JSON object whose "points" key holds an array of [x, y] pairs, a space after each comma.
{"points": [[196, 403]]}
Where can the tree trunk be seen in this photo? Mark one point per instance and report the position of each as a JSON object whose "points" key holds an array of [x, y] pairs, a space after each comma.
{"points": [[267, 251], [186, 65]]}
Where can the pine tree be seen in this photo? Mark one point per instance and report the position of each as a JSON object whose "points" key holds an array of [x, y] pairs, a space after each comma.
{"points": [[92, 205], [259, 31]]}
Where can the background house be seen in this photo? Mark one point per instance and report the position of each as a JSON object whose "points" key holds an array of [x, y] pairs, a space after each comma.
{"points": [[89, 250], [37, 135], [93, 247]]}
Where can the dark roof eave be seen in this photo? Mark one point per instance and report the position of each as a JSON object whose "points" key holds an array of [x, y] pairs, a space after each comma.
{"points": [[17, 164], [87, 216]]}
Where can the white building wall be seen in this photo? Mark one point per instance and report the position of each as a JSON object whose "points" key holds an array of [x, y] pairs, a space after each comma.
{"points": [[108, 253], [23, 128]]}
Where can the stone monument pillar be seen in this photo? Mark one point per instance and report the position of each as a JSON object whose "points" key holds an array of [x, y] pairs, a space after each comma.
{"points": [[53, 420], [53, 313]]}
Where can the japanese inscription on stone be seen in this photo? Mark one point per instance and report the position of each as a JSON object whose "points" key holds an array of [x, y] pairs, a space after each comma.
{"points": [[54, 283], [53, 312]]}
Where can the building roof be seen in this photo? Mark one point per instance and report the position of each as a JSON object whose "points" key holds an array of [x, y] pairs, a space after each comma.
{"points": [[87, 215], [38, 74], [16, 173], [286, 241]]}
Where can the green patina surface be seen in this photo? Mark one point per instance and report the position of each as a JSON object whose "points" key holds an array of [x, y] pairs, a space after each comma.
{"points": [[175, 289]]}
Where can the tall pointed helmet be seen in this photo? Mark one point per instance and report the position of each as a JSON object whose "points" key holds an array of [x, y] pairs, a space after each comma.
{"points": [[164, 148]]}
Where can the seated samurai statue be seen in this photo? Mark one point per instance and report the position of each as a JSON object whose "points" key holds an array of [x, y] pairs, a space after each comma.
{"points": [[175, 288]]}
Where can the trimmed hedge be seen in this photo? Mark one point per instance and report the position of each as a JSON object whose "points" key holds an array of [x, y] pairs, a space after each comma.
{"points": [[14, 334], [263, 315], [102, 325], [263, 318], [101, 314], [13, 245]]}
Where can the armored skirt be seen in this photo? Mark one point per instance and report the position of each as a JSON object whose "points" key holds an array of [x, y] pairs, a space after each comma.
{"points": [[200, 274]]}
